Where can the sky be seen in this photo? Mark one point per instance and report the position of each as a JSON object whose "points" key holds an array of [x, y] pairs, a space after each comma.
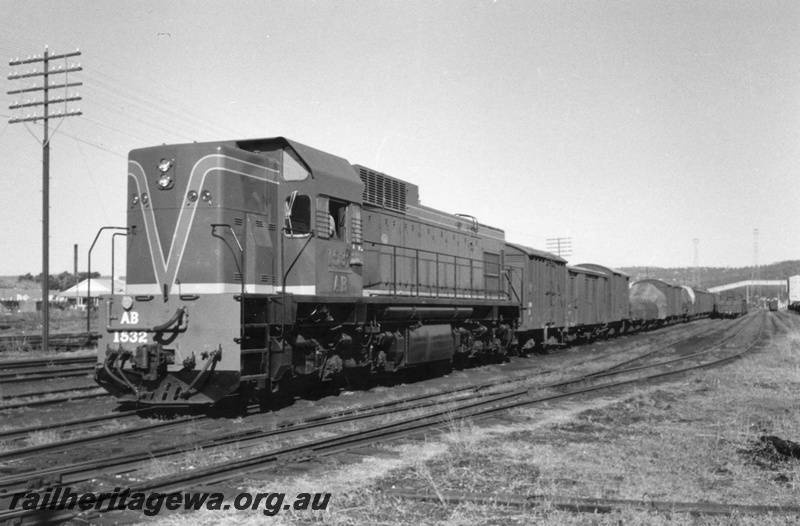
{"points": [[630, 127]]}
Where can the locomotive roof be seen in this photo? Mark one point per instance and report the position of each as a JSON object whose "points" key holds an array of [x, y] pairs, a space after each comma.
{"points": [[532, 252], [320, 163]]}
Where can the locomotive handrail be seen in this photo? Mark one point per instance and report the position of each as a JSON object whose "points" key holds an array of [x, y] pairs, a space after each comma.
{"points": [[175, 317], [285, 275], [180, 314], [240, 265], [417, 251]]}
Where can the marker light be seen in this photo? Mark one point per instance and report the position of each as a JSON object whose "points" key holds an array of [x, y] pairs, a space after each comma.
{"points": [[192, 196], [206, 196], [127, 302], [135, 199], [145, 199]]}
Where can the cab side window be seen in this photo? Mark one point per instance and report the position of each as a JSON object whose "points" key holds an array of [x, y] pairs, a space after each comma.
{"points": [[298, 214], [331, 219]]}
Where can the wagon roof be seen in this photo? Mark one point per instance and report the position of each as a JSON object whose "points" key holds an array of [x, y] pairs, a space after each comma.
{"points": [[657, 283], [584, 270], [603, 268]]}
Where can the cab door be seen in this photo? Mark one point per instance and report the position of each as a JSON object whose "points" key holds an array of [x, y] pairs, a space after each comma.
{"points": [[336, 225]]}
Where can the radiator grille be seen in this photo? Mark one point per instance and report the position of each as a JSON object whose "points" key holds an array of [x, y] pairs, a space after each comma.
{"points": [[382, 190]]}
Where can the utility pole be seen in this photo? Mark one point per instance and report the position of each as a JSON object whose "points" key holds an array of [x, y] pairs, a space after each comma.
{"points": [[561, 246], [756, 268], [45, 117], [696, 270]]}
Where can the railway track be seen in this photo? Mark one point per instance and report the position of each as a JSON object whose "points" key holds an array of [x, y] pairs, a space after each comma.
{"points": [[36, 375], [11, 365], [16, 374], [56, 342], [477, 404]]}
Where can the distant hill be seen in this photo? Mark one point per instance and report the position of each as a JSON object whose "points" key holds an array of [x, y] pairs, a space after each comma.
{"points": [[714, 276]]}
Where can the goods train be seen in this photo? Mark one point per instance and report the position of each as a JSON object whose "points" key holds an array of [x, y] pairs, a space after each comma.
{"points": [[262, 265]]}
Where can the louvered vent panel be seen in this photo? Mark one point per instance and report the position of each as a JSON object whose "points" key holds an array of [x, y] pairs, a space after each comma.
{"points": [[380, 190]]}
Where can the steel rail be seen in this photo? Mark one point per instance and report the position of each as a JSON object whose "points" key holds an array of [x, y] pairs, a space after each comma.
{"points": [[45, 393], [15, 434], [32, 376], [44, 362], [591, 505], [35, 341], [51, 401]]}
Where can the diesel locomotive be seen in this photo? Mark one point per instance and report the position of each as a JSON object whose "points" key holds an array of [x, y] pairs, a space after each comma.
{"points": [[259, 265]]}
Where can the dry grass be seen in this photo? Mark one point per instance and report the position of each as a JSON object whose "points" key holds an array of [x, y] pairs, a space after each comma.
{"points": [[196, 458], [40, 438]]}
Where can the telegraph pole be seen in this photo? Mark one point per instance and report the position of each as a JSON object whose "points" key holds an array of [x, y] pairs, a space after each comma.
{"points": [[562, 246], [45, 117]]}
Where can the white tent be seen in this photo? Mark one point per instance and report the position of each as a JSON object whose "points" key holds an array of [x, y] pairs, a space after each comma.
{"points": [[99, 287]]}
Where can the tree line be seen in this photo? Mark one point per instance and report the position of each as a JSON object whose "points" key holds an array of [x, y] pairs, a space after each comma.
{"points": [[62, 281]]}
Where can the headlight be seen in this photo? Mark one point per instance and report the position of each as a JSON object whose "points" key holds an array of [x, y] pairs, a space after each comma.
{"points": [[165, 182], [164, 165], [127, 302]]}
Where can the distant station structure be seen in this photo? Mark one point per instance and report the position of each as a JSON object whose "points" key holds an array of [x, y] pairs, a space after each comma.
{"points": [[752, 283], [794, 293], [754, 293]]}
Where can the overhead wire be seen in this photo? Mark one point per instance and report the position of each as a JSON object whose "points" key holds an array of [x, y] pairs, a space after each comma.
{"points": [[91, 178]]}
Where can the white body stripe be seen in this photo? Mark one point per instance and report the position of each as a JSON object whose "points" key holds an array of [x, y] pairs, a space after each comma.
{"points": [[218, 288], [166, 269]]}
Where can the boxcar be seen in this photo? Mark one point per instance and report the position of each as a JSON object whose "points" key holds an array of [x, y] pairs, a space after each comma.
{"points": [[617, 305], [587, 313], [730, 306], [537, 280], [704, 303]]}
